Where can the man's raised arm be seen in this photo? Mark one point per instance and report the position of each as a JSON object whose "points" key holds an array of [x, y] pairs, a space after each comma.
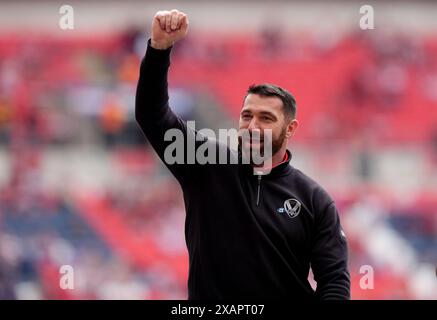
{"points": [[152, 111]]}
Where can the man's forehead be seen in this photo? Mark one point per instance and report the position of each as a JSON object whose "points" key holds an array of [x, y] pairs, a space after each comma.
{"points": [[262, 103]]}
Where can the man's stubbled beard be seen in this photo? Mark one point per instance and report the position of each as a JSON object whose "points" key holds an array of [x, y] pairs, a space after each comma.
{"points": [[276, 144]]}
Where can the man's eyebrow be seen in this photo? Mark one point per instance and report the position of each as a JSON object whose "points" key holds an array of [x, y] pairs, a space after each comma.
{"points": [[264, 113], [268, 113]]}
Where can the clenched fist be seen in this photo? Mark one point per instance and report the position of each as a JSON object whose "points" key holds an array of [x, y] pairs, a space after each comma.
{"points": [[167, 28]]}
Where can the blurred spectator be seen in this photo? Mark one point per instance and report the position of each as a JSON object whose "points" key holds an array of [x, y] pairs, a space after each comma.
{"points": [[112, 120]]}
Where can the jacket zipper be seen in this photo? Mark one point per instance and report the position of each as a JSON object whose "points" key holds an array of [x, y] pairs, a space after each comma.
{"points": [[259, 188]]}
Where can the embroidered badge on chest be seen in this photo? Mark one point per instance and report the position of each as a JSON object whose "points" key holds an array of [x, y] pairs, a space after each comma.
{"points": [[291, 208]]}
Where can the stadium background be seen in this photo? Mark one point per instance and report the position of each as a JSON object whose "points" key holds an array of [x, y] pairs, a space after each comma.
{"points": [[80, 186]]}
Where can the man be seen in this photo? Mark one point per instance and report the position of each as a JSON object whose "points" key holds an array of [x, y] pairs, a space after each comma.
{"points": [[248, 236]]}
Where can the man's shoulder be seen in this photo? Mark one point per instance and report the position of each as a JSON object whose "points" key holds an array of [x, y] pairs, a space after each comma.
{"points": [[316, 193]]}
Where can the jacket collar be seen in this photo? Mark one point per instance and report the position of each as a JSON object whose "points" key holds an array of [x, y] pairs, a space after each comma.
{"points": [[280, 169]]}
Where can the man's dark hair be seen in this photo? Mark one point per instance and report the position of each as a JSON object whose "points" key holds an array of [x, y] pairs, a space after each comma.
{"points": [[271, 90]]}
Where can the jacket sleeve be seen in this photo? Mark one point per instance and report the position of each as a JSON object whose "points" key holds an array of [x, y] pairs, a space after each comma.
{"points": [[329, 257], [154, 115]]}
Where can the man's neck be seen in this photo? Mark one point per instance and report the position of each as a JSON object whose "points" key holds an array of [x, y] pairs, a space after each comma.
{"points": [[277, 159], [283, 159]]}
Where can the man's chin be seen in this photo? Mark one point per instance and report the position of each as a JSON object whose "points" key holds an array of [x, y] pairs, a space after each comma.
{"points": [[254, 146], [253, 151]]}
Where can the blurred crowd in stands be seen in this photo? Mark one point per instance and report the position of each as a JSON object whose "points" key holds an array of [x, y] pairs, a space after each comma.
{"points": [[127, 240]]}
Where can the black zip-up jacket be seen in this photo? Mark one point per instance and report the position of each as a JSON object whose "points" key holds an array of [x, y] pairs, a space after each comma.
{"points": [[248, 236]]}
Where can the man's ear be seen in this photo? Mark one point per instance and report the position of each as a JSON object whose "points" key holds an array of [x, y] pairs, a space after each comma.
{"points": [[291, 128]]}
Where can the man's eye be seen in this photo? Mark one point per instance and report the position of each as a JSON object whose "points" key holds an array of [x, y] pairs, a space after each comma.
{"points": [[266, 119], [246, 116]]}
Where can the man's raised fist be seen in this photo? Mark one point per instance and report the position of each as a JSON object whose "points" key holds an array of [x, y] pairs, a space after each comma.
{"points": [[167, 28]]}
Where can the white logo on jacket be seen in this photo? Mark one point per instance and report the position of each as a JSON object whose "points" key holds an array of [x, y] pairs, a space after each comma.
{"points": [[291, 207]]}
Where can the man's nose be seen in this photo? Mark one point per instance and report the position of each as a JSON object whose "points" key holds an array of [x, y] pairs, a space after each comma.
{"points": [[253, 125]]}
